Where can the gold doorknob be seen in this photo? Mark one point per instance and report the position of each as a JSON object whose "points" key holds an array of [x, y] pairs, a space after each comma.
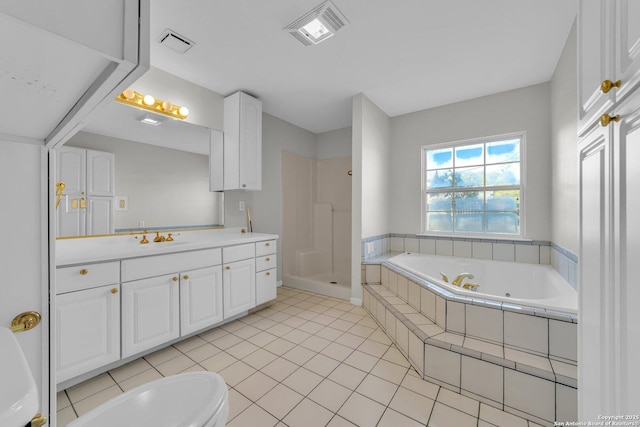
{"points": [[114, 290], [607, 85], [185, 277], [228, 268], [174, 278], [84, 271], [38, 420], [25, 321], [606, 119]]}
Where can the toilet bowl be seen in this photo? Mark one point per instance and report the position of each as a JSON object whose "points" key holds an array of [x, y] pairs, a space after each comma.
{"points": [[194, 399]]}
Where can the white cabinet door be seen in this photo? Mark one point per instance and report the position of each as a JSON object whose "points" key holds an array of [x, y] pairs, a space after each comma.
{"points": [[250, 143], [239, 288], [87, 330], [627, 253], [266, 287], [99, 215], [200, 299], [627, 45], [596, 296], [242, 142], [150, 313], [71, 169], [595, 34], [101, 173]]}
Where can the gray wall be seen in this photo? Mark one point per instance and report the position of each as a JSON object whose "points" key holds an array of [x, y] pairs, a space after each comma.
{"points": [[336, 143], [525, 109], [564, 155]]}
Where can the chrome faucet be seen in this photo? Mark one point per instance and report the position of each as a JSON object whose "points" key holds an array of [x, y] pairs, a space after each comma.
{"points": [[460, 277]]}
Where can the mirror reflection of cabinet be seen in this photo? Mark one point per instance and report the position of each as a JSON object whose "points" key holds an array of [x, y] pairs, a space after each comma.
{"points": [[87, 204]]}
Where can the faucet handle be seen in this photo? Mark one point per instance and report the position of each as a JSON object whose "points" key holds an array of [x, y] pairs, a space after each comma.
{"points": [[144, 239], [169, 238], [444, 277]]}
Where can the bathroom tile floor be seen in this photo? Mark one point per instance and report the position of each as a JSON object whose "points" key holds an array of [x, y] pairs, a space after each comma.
{"points": [[307, 360]]}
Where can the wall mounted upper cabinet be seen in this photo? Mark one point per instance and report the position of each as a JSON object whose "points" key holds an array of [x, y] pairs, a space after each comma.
{"points": [[64, 60], [608, 56], [242, 143]]}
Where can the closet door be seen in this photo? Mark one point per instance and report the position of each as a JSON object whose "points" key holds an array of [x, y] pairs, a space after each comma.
{"points": [[627, 50], [627, 247], [100, 173], [596, 299]]}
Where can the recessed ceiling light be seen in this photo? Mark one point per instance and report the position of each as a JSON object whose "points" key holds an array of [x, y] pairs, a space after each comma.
{"points": [[317, 25], [150, 119]]}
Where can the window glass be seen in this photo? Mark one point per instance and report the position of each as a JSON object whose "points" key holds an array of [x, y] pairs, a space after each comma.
{"points": [[473, 187]]}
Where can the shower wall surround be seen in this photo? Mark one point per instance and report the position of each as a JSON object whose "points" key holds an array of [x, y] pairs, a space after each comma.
{"points": [[532, 252]]}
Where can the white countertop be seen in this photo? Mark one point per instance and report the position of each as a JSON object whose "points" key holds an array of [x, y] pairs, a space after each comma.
{"points": [[98, 249]]}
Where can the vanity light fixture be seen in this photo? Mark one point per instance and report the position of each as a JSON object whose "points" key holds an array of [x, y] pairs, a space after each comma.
{"points": [[149, 103], [317, 25]]}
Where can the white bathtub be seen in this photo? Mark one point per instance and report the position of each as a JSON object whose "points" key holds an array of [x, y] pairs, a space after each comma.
{"points": [[527, 285]]}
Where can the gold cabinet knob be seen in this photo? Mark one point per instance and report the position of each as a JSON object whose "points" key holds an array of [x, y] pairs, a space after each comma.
{"points": [[114, 290], [268, 259], [228, 267], [606, 119], [267, 244], [84, 272], [174, 278], [607, 85], [268, 273], [185, 277]]}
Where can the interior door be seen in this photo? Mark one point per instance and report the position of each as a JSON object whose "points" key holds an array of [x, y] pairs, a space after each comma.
{"points": [[23, 255]]}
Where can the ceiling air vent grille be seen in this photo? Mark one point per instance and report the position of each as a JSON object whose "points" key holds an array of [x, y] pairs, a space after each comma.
{"points": [[175, 41], [317, 25]]}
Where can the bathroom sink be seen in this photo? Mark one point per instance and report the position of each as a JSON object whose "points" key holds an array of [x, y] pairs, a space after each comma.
{"points": [[18, 392]]}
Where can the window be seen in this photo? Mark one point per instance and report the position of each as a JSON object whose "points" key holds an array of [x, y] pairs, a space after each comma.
{"points": [[473, 187]]}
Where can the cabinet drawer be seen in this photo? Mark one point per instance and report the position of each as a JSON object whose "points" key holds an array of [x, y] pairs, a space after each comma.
{"points": [[266, 287], [87, 276], [266, 248], [237, 253], [266, 262], [139, 268]]}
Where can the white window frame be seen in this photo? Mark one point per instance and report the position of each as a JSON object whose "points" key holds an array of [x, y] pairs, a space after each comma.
{"points": [[494, 138]]}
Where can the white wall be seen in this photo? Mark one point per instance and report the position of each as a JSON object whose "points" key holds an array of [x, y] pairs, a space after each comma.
{"points": [[525, 109], [336, 143], [165, 187], [564, 154]]}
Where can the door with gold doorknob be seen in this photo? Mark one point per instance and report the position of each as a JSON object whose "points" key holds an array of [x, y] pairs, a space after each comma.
{"points": [[200, 299]]}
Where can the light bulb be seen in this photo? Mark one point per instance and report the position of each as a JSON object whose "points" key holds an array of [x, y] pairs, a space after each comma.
{"points": [[183, 111], [129, 94], [167, 106], [149, 100]]}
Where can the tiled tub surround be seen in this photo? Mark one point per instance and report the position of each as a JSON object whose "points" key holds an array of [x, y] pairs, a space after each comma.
{"points": [[521, 363], [530, 252]]}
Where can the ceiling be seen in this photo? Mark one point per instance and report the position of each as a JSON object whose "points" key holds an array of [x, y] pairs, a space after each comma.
{"points": [[404, 55]]}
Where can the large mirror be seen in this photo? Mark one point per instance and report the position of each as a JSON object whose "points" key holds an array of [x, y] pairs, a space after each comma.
{"points": [[161, 176]]}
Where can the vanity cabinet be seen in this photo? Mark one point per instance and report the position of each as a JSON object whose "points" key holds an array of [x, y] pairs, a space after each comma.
{"points": [[200, 299], [242, 143], [609, 155], [150, 313], [87, 204], [266, 271], [87, 317], [239, 279], [186, 297]]}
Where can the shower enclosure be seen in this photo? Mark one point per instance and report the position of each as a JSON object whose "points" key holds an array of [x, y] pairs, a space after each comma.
{"points": [[316, 228]]}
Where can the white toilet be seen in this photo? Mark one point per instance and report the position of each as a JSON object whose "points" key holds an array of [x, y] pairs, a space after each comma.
{"points": [[194, 399]]}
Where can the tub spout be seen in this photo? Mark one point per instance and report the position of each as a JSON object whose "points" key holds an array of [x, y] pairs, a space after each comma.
{"points": [[460, 277]]}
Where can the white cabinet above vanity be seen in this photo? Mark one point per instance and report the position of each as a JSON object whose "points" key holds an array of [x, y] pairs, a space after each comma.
{"points": [[127, 299]]}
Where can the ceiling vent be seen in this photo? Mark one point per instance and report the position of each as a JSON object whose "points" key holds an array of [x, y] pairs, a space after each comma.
{"points": [[317, 25], [175, 41]]}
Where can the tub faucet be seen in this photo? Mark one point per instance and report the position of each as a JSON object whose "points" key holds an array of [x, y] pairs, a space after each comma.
{"points": [[460, 277]]}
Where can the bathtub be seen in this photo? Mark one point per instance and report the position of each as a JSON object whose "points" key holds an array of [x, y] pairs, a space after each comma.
{"points": [[530, 286]]}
